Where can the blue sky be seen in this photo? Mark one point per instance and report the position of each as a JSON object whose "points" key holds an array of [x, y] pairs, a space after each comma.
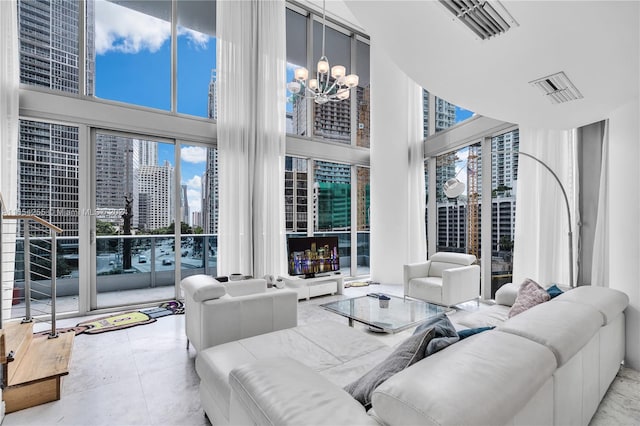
{"points": [[133, 65]]}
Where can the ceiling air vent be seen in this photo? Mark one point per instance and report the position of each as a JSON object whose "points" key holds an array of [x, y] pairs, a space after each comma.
{"points": [[485, 18], [558, 88]]}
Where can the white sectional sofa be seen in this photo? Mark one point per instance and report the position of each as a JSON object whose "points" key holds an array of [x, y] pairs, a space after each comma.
{"points": [[549, 365]]}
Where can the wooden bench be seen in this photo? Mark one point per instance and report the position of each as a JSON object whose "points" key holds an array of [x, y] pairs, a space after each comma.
{"points": [[34, 375]]}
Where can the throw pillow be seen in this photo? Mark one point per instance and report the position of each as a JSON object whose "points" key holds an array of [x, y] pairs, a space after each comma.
{"points": [[554, 291], [463, 334], [408, 353], [530, 294], [445, 333]]}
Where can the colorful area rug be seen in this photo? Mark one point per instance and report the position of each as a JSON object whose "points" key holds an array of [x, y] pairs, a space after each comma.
{"points": [[123, 320]]}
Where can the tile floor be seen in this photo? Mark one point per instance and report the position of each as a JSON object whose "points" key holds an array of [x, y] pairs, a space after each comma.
{"points": [[145, 376]]}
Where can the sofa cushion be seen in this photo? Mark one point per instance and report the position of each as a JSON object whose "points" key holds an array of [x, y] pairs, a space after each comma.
{"points": [[506, 295], [488, 317], [554, 291], [282, 391], [487, 366], [203, 287], [427, 288], [409, 352], [530, 294], [563, 327], [608, 301], [338, 352], [245, 287]]}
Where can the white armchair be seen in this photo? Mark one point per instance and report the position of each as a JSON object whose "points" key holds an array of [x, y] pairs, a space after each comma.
{"points": [[446, 279], [217, 313]]}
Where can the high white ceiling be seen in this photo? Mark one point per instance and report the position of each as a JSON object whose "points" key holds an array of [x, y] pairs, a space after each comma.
{"points": [[596, 43]]}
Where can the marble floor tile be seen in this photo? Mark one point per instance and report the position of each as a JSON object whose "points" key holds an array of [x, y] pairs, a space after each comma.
{"points": [[145, 375]]}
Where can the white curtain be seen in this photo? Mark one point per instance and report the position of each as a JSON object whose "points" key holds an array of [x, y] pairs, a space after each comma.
{"points": [[251, 136], [417, 238], [600, 259], [9, 82], [541, 243]]}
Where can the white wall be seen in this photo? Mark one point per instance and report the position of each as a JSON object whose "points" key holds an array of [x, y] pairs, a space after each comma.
{"points": [[389, 168], [624, 219]]}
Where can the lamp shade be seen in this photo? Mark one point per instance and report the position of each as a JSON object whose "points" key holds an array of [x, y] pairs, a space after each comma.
{"points": [[453, 188]]}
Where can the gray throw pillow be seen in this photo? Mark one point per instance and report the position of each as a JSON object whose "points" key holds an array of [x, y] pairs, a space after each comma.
{"points": [[445, 333], [409, 352]]}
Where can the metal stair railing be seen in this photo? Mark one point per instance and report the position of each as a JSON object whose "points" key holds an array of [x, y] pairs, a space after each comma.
{"points": [[44, 259]]}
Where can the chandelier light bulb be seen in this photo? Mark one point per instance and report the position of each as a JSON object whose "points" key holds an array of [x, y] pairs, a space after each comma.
{"points": [[313, 84], [352, 80], [343, 94], [338, 71], [294, 87], [323, 66], [301, 74]]}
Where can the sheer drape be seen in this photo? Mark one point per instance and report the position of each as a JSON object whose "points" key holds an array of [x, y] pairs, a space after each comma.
{"points": [[251, 136], [600, 260], [9, 82], [417, 239], [541, 245]]}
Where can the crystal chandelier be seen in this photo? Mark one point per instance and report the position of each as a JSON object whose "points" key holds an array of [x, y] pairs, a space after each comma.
{"points": [[325, 87]]}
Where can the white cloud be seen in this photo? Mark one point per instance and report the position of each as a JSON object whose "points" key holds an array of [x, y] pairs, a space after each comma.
{"points": [[196, 39], [193, 154], [125, 30], [195, 200], [195, 182]]}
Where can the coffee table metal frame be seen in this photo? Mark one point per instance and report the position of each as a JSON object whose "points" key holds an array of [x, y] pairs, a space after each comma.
{"points": [[401, 314]]}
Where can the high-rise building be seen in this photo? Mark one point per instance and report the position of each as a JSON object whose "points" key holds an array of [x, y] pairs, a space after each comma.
{"points": [[444, 113], [210, 193], [48, 153], [332, 196], [157, 183], [213, 96], [331, 120], [209, 180], [184, 205], [148, 152], [363, 137], [48, 173], [196, 219], [117, 176], [295, 194]]}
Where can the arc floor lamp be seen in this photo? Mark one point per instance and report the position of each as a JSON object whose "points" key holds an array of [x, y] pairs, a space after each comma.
{"points": [[454, 187]]}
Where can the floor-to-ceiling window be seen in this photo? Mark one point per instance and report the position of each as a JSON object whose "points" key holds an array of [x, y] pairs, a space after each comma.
{"points": [[504, 177], [118, 57], [319, 188]]}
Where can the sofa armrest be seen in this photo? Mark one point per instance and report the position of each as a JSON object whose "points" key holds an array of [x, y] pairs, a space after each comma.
{"points": [[232, 318], [460, 284], [199, 288], [415, 270], [282, 391]]}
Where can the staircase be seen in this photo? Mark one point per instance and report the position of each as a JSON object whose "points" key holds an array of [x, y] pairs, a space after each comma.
{"points": [[32, 365], [35, 369]]}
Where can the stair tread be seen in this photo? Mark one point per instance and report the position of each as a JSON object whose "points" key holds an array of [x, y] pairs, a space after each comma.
{"points": [[44, 358]]}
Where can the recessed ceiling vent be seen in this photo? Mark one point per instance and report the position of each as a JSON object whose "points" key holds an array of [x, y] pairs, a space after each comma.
{"points": [[557, 88], [485, 18]]}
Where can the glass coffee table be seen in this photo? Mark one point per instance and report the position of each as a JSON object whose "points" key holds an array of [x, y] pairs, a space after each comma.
{"points": [[399, 315]]}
